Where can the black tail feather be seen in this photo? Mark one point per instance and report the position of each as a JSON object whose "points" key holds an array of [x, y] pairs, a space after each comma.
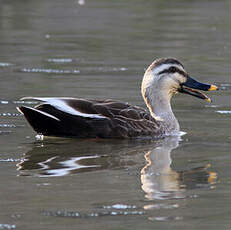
{"points": [[58, 123], [41, 122]]}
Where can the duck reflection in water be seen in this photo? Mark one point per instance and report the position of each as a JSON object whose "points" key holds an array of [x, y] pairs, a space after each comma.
{"points": [[61, 157], [160, 181]]}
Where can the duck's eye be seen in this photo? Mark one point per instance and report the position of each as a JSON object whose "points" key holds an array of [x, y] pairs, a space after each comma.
{"points": [[172, 69]]}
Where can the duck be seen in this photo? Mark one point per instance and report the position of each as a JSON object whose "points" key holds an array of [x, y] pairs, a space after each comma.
{"points": [[93, 118]]}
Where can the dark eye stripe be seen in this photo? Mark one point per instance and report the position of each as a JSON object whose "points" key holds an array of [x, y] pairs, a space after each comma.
{"points": [[172, 70]]}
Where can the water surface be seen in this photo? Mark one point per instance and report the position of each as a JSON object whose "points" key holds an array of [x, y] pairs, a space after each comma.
{"points": [[100, 49]]}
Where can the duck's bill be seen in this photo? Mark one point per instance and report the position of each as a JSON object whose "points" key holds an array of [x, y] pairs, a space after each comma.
{"points": [[191, 85]]}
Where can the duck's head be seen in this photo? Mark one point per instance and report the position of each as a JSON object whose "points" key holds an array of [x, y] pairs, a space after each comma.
{"points": [[167, 76]]}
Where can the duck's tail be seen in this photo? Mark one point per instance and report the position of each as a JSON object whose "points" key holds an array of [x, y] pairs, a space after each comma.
{"points": [[58, 123], [42, 122]]}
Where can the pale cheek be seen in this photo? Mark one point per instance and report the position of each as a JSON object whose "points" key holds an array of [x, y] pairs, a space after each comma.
{"points": [[180, 78]]}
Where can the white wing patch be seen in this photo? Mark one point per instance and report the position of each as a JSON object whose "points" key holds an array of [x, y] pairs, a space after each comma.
{"points": [[60, 103], [39, 111]]}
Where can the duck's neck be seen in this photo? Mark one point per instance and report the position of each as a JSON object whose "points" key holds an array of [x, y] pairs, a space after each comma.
{"points": [[160, 108]]}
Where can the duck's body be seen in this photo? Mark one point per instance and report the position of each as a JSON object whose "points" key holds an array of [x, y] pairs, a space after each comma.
{"points": [[87, 118], [112, 119]]}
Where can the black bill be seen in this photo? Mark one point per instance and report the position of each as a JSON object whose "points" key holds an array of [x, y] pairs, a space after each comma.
{"points": [[190, 86]]}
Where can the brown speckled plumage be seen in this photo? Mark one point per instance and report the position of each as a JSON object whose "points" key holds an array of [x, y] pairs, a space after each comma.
{"points": [[121, 120]]}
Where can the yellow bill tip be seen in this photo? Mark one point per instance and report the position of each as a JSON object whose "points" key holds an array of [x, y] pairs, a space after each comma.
{"points": [[212, 88], [212, 177], [208, 100]]}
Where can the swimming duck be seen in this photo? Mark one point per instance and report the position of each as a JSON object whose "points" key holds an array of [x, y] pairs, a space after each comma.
{"points": [[90, 118]]}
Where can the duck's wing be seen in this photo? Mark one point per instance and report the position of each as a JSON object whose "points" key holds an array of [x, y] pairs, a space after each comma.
{"points": [[73, 106], [89, 118]]}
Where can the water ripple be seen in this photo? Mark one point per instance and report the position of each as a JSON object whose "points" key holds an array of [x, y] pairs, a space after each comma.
{"points": [[119, 206], [81, 2], [160, 206], [4, 102], [60, 60], [7, 226], [105, 69], [5, 64], [10, 114], [9, 160], [7, 126], [56, 71], [116, 210], [223, 111], [166, 218], [97, 69], [74, 214]]}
